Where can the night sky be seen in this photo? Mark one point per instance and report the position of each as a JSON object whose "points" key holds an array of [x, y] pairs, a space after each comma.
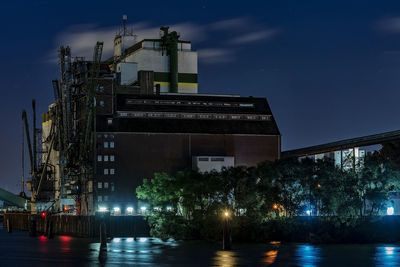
{"points": [[329, 69]]}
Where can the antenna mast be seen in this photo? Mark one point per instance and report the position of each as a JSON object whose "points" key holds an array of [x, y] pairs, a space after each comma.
{"points": [[23, 161], [124, 19]]}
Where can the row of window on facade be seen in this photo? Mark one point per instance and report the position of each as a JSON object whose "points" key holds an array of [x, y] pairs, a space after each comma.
{"points": [[196, 116], [105, 158], [187, 103], [109, 144], [102, 198], [109, 171], [105, 185]]}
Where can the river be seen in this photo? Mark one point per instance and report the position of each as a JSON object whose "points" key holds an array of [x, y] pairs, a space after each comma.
{"points": [[18, 249]]}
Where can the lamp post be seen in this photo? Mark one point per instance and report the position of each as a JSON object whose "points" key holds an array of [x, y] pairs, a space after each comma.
{"points": [[226, 231]]}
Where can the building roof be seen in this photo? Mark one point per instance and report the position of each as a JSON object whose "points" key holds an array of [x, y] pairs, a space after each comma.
{"points": [[343, 144], [225, 115]]}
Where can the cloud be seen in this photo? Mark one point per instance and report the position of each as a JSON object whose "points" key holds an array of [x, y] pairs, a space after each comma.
{"points": [[215, 55], [254, 36], [82, 38], [389, 25], [231, 24]]}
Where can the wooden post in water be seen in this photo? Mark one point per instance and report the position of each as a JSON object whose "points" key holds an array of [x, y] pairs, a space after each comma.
{"points": [[134, 228], [32, 226], [103, 241], [9, 226]]}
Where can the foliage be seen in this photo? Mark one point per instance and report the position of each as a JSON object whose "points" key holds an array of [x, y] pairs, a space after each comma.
{"points": [[257, 196]]}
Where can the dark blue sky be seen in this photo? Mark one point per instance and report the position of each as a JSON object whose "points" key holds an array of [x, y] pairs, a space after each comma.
{"points": [[330, 69]]}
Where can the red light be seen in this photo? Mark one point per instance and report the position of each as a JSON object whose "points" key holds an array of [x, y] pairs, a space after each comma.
{"points": [[65, 238], [65, 208], [43, 214], [42, 238]]}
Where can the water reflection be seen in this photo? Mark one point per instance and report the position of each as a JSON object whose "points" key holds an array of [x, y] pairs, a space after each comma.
{"points": [[270, 256], [225, 258], [387, 255], [308, 255]]}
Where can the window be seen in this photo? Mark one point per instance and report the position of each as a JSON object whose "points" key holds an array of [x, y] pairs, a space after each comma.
{"points": [[112, 158], [101, 103], [99, 185], [203, 159], [105, 198], [106, 185], [98, 157], [112, 171], [99, 198], [112, 144], [105, 144], [217, 159], [105, 171], [109, 121], [105, 157], [112, 187]]}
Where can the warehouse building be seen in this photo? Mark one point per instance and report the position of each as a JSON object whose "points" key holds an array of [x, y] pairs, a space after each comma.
{"points": [[147, 117]]}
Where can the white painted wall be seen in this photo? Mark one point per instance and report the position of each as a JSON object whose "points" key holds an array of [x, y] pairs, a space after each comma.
{"points": [[209, 163]]}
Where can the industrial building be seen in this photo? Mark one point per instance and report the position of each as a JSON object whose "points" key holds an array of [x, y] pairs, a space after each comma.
{"points": [[117, 121]]}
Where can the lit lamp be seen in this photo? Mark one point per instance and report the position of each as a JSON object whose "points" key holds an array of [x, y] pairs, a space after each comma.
{"points": [[129, 210], [116, 210], [275, 206], [309, 212], [390, 211], [226, 232], [102, 209], [143, 209]]}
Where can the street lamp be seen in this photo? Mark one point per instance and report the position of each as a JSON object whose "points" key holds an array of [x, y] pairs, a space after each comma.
{"points": [[226, 232]]}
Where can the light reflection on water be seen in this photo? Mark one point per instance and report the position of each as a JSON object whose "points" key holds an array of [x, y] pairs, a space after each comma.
{"points": [[308, 255], [18, 249], [387, 255], [225, 258]]}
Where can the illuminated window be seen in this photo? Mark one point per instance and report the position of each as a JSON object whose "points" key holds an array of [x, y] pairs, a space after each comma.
{"points": [[99, 185], [111, 157], [99, 198], [105, 198], [112, 144], [112, 187], [105, 144], [105, 171], [106, 185], [105, 157], [112, 171], [101, 103], [98, 157], [109, 121]]}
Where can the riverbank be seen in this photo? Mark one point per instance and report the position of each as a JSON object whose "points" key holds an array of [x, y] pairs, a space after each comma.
{"points": [[320, 230]]}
